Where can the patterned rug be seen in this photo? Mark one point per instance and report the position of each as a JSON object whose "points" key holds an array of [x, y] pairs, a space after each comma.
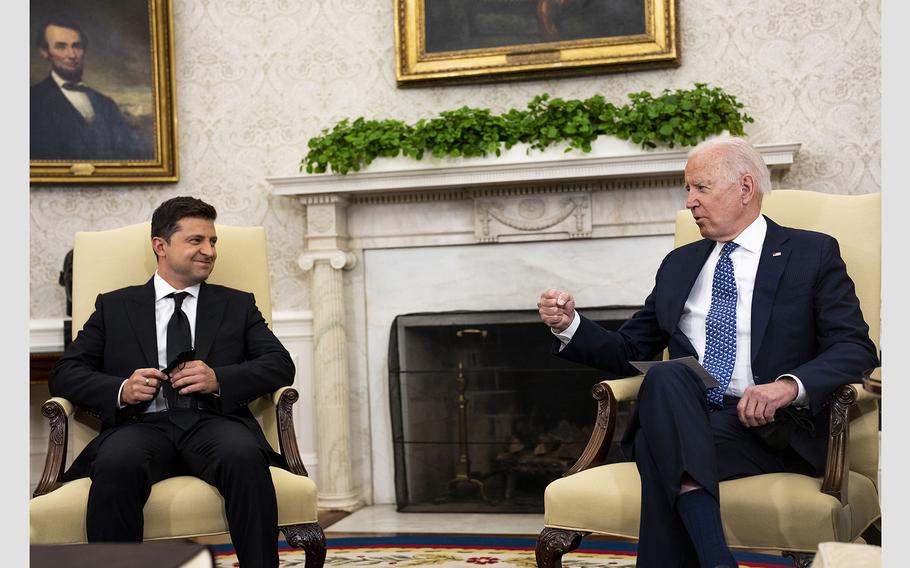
{"points": [[444, 551]]}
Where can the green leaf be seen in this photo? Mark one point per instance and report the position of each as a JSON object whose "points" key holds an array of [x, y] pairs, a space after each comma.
{"points": [[681, 117]]}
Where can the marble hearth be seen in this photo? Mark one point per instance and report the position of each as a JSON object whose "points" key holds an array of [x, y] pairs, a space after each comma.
{"points": [[406, 237]]}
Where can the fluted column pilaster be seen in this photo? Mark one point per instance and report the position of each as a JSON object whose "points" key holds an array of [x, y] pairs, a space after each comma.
{"points": [[326, 258]]}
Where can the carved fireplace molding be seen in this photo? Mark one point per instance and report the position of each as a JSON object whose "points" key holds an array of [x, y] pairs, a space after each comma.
{"points": [[620, 191], [549, 195]]}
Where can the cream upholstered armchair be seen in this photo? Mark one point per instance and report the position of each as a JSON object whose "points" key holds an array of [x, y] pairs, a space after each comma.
{"points": [[184, 506], [782, 512]]}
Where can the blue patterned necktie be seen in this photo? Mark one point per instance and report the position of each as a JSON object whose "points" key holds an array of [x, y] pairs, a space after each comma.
{"points": [[720, 326]]}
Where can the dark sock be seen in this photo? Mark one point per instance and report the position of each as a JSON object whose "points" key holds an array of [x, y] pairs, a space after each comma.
{"points": [[700, 513]]}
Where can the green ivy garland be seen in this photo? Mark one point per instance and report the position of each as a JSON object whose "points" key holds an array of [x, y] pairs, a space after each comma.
{"points": [[683, 117]]}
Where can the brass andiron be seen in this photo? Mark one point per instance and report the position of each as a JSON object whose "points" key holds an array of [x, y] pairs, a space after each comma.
{"points": [[463, 486]]}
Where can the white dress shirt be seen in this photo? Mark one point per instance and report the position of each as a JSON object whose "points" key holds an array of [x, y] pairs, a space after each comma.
{"points": [[78, 99], [745, 259], [164, 309]]}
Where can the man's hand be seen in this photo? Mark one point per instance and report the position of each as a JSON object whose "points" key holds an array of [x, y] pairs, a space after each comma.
{"points": [[556, 309], [760, 402], [196, 377], [141, 386]]}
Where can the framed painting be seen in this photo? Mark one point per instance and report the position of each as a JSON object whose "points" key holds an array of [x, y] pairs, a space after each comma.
{"points": [[101, 101], [471, 41]]}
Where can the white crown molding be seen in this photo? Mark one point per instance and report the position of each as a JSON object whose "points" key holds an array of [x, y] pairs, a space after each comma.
{"points": [[611, 160]]}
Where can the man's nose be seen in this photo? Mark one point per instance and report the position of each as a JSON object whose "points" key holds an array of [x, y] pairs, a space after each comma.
{"points": [[691, 201]]}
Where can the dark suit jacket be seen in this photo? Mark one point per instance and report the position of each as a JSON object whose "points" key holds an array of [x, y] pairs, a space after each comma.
{"points": [[59, 132], [120, 337], [806, 321]]}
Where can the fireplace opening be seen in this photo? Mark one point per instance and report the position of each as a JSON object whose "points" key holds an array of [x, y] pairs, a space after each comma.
{"points": [[484, 416]]}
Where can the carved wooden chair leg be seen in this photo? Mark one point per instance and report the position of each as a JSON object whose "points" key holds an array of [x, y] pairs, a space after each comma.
{"points": [[310, 538], [800, 559], [553, 543]]}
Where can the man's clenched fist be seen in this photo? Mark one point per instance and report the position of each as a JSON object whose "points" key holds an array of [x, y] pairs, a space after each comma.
{"points": [[556, 309]]}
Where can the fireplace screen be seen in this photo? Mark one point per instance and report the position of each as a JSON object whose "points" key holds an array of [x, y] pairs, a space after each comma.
{"points": [[484, 416]]}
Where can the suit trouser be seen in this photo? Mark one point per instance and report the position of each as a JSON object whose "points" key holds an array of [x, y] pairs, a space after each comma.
{"points": [[678, 434], [219, 450]]}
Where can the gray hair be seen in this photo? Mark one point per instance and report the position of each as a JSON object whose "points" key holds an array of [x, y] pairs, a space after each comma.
{"points": [[738, 158]]}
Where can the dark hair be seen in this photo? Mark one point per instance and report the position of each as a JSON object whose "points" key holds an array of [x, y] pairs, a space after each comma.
{"points": [[169, 214], [63, 22]]}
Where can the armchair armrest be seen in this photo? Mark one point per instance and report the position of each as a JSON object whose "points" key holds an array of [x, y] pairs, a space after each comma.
{"points": [[284, 398], [837, 467], [276, 396], [626, 389], [57, 410], [608, 395]]}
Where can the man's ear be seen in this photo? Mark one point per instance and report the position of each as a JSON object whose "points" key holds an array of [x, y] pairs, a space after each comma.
{"points": [[747, 189], [44, 53], [158, 246]]}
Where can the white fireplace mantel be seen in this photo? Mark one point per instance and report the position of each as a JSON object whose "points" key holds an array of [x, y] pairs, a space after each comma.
{"points": [[436, 235], [610, 158]]}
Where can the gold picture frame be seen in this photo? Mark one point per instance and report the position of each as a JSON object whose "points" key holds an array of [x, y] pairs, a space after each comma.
{"points": [[473, 41], [129, 132]]}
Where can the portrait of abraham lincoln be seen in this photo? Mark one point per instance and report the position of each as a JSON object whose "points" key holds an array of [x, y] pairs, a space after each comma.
{"points": [[91, 74]]}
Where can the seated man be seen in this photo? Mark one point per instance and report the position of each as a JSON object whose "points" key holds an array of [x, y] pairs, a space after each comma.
{"points": [[770, 312], [192, 420]]}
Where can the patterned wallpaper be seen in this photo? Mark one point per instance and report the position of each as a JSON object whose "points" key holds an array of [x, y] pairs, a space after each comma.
{"points": [[256, 79]]}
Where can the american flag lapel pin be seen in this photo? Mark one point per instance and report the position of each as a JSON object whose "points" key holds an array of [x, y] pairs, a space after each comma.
{"points": [[776, 253]]}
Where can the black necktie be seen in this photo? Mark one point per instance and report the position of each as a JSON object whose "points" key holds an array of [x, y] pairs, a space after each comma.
{"points": [[179, 339], [75, 87]]}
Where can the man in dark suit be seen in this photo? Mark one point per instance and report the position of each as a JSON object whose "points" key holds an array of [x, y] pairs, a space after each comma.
{"points": [[769, 311], [192, 420], [68, 119]]}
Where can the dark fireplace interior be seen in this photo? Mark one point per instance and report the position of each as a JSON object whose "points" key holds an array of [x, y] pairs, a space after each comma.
{"points": [[484, 416]]}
